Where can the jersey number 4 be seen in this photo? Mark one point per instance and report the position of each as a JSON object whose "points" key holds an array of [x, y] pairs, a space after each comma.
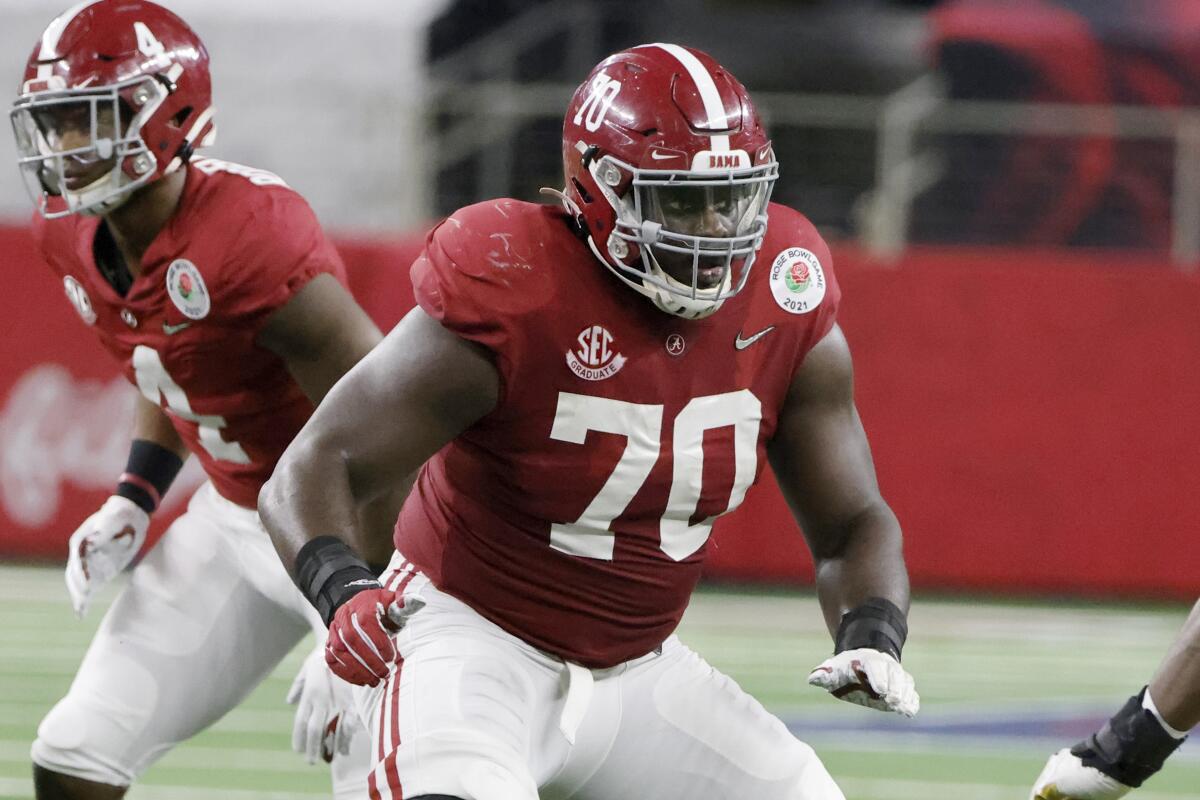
{"points": [[161, 389], [641, 424]]}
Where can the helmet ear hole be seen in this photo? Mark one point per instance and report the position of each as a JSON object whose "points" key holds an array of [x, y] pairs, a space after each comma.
{"points": [[589, 154], [587, 198], [181, 117]]}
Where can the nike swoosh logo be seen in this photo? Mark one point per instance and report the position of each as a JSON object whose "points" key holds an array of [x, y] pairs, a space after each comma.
{"points": [[742, 344], [657, 156], [171, 330]]}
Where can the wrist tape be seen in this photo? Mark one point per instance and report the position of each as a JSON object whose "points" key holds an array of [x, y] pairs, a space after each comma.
{"points": [[878, 624], [1130, 747], [330, 573], [148, 474]]}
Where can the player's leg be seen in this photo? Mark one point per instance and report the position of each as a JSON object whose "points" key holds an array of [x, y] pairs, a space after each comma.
{"points": [[48, 785], [673, 728], [456, 717], [185, 641]]}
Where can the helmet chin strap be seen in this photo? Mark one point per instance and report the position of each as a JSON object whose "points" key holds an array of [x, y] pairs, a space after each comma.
{"points": [[99, 197], [677, 302], [663, 300], [567, 203], [109, 192]]}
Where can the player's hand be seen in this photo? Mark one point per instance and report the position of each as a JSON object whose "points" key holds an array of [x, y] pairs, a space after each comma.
{"points": [[103, 546], [1066, 778], [360, 648], [869, 678], [323, 708]]}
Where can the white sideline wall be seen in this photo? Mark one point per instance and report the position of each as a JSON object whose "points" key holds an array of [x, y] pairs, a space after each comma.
{"points": [[330, 95]]}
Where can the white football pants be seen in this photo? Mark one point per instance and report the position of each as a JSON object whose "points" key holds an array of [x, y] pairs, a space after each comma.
{"points": [[207, 614], [475, 713]]}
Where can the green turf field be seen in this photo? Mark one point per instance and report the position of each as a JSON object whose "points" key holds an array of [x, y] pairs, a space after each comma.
{"points": [[1002, 685]]}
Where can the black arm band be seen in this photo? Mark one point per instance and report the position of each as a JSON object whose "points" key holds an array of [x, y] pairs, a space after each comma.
{"points": [[330, 573], [1130, 747], [148, 474], [878, 624]]}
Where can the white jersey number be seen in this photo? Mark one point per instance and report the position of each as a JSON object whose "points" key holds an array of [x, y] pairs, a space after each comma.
{"points": [[641, 424], [599, 100], [159, 387], [147, 43]]}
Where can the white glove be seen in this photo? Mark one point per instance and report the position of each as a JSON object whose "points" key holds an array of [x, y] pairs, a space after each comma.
{"points": [[1066, 778], [103, 546], [869, 678], [324, 710]]}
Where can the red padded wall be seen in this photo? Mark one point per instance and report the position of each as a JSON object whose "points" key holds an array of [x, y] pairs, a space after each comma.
{"points": [[1034, 416]]}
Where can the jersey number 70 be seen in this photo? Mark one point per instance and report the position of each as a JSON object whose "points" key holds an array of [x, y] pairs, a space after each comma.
{"points": [[641, 424]]}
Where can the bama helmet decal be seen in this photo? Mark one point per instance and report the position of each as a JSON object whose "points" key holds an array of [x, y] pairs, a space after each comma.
{"points": [[797, 280]]}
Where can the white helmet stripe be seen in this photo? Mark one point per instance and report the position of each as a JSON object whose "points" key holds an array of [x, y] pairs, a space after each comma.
{"points": [[201, 121], [54, 33], [707, 87]]}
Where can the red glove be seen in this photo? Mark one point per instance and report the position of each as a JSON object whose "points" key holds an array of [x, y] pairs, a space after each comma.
{"points": [[359, 649]]}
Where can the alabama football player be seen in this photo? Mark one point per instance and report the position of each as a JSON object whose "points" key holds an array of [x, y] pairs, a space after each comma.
{"points": [[214, 287], [594, 383], [1133, 745]]}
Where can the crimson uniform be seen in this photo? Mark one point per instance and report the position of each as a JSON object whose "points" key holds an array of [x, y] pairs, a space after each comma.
{"points": [[547, 553], [210, 611], [575, 515], [239, 246]]}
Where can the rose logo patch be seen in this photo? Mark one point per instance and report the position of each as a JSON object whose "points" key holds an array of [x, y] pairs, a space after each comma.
{"points": [[797, 280], [595, 357], [186, 289]]}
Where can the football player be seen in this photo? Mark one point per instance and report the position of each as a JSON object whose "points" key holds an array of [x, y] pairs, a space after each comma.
{"points": [[1133, 745], [214, 287], [594, 384]]}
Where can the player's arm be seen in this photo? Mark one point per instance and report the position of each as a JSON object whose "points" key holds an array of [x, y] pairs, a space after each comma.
{"points": [[321, 333], [1175, 687], [823, 464], [108, 540], [1136, 741], [417, 390], [151, 424]]}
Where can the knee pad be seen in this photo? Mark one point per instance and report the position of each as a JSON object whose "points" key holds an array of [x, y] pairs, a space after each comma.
{"points": [[63, 747]]}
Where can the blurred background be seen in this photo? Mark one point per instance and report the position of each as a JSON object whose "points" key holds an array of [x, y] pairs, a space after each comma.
{"points": [[1011, 189]]}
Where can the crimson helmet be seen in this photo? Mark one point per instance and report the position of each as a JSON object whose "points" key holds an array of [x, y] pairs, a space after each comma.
{"points": [[116, 94], [669, 173]]}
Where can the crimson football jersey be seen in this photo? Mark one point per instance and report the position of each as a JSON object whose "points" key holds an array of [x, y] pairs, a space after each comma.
{"points": [[238, 247], [575, 515]]}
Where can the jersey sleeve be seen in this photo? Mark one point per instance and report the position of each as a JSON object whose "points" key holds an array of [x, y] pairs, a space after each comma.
{"points": [[791, 236], [478, 277], [826, 313], [281, 247], [448, 290]]}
